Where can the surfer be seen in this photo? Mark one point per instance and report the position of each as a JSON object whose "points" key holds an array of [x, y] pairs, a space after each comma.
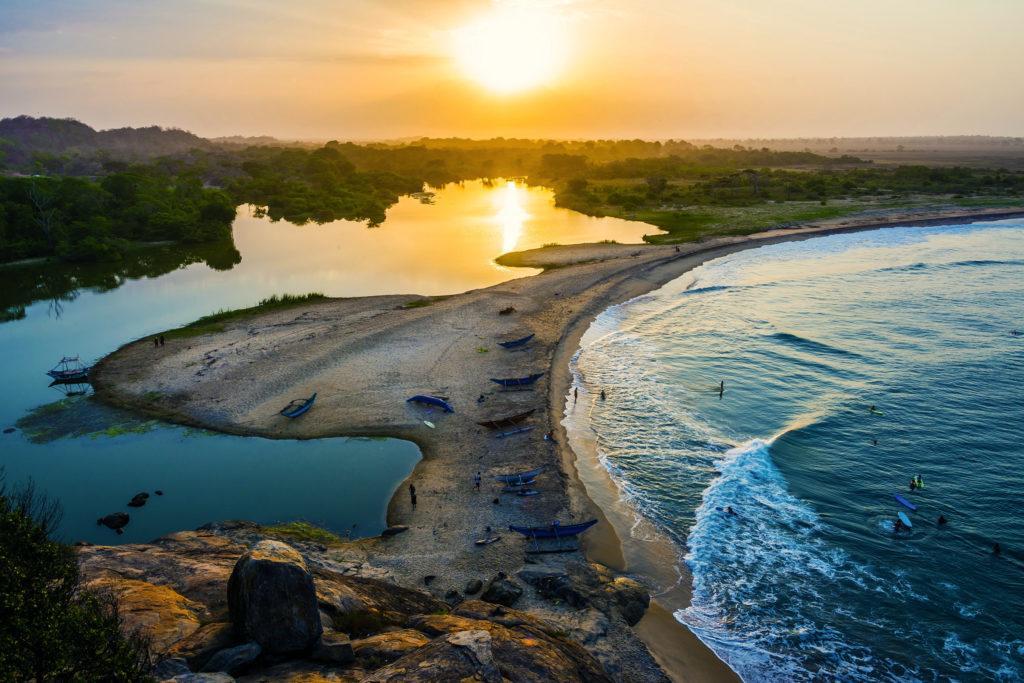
{"points": [[898, 526], [729, 510], [942, 520], [874, 442], [919, 482], [913, 484]]}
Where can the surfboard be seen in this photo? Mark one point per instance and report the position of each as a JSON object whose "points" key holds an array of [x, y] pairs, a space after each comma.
{"points": [[904, 502], [875, 411], [906, 520], [429, 423]]}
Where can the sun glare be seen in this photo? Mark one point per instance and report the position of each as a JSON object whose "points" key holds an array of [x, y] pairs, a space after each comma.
{"points": [[510, 215], [513, 48]]}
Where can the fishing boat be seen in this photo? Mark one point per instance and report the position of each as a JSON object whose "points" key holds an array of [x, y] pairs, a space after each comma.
{"points": [[519, 478], [553, 530], [518, 381], [435, 401], [298, 407], [69, 369], [502, 422], [516, 343]]}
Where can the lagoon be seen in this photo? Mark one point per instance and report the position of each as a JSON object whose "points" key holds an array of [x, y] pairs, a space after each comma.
{"points": [[94, 459]]}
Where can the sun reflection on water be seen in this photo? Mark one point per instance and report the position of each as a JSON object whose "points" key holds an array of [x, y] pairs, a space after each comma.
{"points": [[510, 215]]}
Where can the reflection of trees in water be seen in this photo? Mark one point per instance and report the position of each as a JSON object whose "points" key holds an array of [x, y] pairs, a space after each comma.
{"points": [[59, 284]]}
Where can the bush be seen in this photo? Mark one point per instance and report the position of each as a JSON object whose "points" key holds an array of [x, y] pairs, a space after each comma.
{"points": [[51, 627]]}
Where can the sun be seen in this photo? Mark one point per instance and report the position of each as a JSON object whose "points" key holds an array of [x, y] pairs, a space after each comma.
{"points": [[513, 48]]}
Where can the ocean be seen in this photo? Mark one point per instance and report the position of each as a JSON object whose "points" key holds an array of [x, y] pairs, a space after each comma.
{"points": [[807, 579]]}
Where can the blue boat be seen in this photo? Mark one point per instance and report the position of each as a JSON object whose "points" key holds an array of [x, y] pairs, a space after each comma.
{"points": [[519, 478], [516, 343], [298, 407], [431, 401], [518, 381], [553, 530]]}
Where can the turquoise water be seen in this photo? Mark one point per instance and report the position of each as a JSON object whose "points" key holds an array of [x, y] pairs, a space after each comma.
{"points": [[808, 580]]}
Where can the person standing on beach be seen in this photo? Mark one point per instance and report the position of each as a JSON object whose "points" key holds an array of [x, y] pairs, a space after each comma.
{"points": [[602, 395], [412, 495], [575, 395], [476, 481]]}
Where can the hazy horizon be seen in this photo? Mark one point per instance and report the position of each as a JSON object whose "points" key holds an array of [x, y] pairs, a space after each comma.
{"points": [[566, 69]]}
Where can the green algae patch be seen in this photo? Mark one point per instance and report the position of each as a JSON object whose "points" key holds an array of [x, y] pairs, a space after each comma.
{"points": [[80, 417], [302, 531]]}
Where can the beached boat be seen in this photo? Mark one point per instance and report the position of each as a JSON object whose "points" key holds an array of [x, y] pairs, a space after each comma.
{"points": [[502, 422], [553, 530], [516, 343], [435, 401], [69, 369], [518, 381], [519, 478], [298, 407]]}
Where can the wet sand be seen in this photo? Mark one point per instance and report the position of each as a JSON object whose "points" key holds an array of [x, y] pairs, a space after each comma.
{"points": [[365, 356]]}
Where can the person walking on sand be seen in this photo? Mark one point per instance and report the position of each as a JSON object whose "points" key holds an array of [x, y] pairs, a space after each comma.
{"points": [[575, 395], [603, 395], [476, 481], [156, 342], [161, 340], [412, 495]]}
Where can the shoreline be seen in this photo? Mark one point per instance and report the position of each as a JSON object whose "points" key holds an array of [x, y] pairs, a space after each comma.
{"points": [[600, 276]]}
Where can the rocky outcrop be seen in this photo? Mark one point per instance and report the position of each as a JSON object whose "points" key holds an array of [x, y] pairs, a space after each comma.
{"points": [[234, 660], [501, 591], [584, 585], [160, 614], [465, 655], [272, 599], [216, 608], [390, 645]]}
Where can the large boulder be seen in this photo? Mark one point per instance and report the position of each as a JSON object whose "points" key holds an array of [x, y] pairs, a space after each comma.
{"points": [[334, 648], [272, 599], [630, 598], [590, 585]]}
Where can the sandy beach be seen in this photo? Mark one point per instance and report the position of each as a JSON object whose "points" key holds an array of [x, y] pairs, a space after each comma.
{"points": [[363, 357]]}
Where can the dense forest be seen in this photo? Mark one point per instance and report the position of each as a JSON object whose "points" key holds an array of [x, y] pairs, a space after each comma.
{"points": [[77, 194]]}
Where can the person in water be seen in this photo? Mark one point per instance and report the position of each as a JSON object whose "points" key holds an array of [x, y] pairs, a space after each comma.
{"points": [[729, 510], [942, 520], [898, 526], [913, 484], [721, 389], [919, 481], [996, 549]]}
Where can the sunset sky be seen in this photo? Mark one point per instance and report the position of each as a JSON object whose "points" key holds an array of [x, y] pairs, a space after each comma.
{"points": [[372, 69]]}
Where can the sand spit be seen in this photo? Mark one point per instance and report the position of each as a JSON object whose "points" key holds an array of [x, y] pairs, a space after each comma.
{"points": [[365, 356]]}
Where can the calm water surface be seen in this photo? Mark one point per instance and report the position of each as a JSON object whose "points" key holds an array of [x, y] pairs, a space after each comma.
{"points": [[808, 581], [94, 459]]}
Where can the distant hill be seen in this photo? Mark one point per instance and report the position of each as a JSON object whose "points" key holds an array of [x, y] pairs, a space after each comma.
{"points": [[24, 140]]}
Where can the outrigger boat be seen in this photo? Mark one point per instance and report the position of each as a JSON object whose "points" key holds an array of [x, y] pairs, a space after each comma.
{"points": [[520, 478], [502, 422], [69, 369], [518, 381], [516, 343], [553, 530], [435, 401], [298, 407]]}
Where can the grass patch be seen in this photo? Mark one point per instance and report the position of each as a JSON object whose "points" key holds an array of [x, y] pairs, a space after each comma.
{"points": [[215, 322], [302, 531], [426, 301]]}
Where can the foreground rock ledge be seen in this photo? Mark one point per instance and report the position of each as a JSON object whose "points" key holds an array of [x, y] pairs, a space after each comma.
{"points": [[226, 604]]}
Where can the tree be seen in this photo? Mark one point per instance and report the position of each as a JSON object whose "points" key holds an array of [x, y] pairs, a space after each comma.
{"points": [[656, 185], [53, 628]]}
